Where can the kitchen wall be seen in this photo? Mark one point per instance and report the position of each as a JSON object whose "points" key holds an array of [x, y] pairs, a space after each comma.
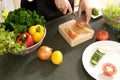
{"points": [[76, 3], [8, 4]]}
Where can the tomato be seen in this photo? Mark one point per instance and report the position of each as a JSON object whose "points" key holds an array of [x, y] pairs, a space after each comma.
{"points": [[72, 34], [84, 18], [80, 24], [109, 69], [67, 20], [102, 35]]}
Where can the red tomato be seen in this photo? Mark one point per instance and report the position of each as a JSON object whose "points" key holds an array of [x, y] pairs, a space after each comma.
{"points": [[84, 18], [109, 69], [102, 35], [80, 24], [67, 20], [72, 34]]}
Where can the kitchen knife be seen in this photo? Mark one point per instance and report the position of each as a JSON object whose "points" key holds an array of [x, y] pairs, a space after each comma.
{"points": [[78, 19], [75, 17]]}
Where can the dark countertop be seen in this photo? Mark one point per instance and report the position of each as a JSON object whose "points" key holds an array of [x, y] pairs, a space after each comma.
{"points": [[29, 67]]}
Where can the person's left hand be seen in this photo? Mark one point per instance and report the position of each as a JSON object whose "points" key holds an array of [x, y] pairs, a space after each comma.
{"points": [[64, 6], [84, 6]]}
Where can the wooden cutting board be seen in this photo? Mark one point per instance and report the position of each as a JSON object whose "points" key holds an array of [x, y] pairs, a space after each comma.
{"points": [[83, 34]]}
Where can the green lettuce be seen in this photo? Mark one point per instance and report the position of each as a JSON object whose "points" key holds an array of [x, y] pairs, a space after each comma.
{"points": [[111, 13]]}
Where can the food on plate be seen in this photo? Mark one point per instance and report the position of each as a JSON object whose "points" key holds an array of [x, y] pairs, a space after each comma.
{"points": [[102, 35], [98, 54], [109, 69], [72, 34], [95, 11], [57, 57], [44, 52], [80, 24], [37, 32], [26, 39]]}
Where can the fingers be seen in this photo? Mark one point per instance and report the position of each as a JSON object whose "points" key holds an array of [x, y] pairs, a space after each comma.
{"points": [[84, 6], [79, 11], [88, 14], [66, 9], [70, 11], [64, 6]]}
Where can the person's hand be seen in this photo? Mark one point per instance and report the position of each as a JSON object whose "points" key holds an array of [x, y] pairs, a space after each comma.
{"points": [[16, 3], [84, 6], [64, 6]]}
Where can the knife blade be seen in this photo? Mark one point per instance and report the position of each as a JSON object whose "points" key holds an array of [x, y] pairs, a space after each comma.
{"points": [[78, 19]]}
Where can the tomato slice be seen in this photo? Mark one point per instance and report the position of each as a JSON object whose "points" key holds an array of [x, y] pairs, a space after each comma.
{"points": [[72, 34], [84, 18], [66, 20], [80, 24], [109, 69]]}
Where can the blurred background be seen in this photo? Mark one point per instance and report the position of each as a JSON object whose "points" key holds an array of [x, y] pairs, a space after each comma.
{"points": [[12, 4]]}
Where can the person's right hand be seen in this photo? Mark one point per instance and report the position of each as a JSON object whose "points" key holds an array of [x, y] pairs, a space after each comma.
{"points": [[64, 6], [85, 6]]}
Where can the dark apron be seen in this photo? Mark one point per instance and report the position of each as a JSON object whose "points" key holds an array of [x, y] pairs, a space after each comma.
{"points": [[47, 8]]}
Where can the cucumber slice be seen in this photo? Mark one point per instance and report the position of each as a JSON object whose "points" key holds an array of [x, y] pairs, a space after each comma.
{"points": [[94, 62], [98, 54]]}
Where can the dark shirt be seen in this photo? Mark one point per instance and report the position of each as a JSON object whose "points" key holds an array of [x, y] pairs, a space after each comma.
{"points": [[47, 8]]}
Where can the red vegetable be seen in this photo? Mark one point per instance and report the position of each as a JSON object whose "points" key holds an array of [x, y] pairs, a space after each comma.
{"points": [[26, 39], [109, 69], [102, 35], [84, 18], [67, 20], [44, 52], [80, 24], [72, 34]]}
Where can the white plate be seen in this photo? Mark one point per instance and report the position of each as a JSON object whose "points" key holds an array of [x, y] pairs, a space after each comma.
{"points": [[100, 14], [112, 55]]}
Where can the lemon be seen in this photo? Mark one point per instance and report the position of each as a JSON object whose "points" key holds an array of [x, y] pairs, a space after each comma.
{"points": [[57, 57]]}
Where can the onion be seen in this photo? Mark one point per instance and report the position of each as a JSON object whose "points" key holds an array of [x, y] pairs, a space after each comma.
{"points": [[44, 52]]}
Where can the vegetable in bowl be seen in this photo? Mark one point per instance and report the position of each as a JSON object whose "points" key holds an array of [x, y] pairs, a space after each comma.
{"points": [[21, 19], [8, 43], [111, 15], [17, 22], [30, 49]]}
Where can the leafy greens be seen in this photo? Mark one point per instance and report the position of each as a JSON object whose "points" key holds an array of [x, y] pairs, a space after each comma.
{"points": [[111, 13], [7, 42], [21, 19]]}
